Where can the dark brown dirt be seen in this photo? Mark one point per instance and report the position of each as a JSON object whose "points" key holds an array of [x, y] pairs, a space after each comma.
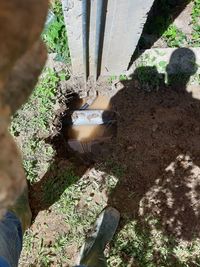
{"points": [[49, 226], [157, 153], [158, 147]]}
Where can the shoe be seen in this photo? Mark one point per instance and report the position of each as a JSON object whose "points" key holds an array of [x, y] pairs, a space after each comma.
{"points": [[22, 210], [92, 252]]}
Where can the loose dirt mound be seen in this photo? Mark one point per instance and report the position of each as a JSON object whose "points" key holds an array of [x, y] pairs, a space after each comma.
{"points": [[158, 147]]}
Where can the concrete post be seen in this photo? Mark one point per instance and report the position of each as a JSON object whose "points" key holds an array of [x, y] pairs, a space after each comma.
{"points": [[124, 22]]}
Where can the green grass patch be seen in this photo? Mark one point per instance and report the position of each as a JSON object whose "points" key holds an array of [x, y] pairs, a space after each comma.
{"points": [[121, 78], [59, 179], [196, 23], [78, 219], [149, 78], [174, 37], [150, 247], [37, 112], [32, 123]]}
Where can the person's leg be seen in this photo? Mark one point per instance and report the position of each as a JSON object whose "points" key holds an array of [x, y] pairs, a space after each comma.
{"points": [[22, 210], [10, 240], [12, 227], [92, 252]]}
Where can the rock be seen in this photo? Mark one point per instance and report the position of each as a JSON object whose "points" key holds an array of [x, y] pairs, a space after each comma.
{"points": [[155, 127]]}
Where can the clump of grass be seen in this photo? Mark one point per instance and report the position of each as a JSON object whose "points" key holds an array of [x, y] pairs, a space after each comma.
{"points": [[174, 37], [55, 35], [112, 78], [148, 77]]}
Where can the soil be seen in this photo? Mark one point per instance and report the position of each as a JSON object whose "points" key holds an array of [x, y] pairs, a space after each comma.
{"points": [[156, 151], [157, 147]]}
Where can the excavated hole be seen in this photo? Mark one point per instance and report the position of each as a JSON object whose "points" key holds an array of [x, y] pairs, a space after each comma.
{"points": [[84, 142]]}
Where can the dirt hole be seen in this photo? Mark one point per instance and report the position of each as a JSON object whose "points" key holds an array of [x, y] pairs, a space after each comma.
{"points": [[83, 128]]}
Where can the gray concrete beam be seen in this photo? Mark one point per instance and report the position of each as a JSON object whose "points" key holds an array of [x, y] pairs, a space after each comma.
{"points": [[124, 25]]}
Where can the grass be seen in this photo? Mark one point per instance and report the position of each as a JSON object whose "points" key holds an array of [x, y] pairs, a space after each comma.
{"points": [[111, 79], [79, 192], [174, 37], [196, 23], [64, 176], [33, 122], [114, 78], [139, 246]]}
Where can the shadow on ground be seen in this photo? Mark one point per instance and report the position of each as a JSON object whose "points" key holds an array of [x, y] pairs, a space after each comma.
{"points": [[62, 172], [157, 147]]}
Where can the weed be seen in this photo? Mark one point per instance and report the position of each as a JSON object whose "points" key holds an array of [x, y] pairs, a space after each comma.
{"points": [[149, 78], [174, 37], [123, 77], [55, 35]]}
